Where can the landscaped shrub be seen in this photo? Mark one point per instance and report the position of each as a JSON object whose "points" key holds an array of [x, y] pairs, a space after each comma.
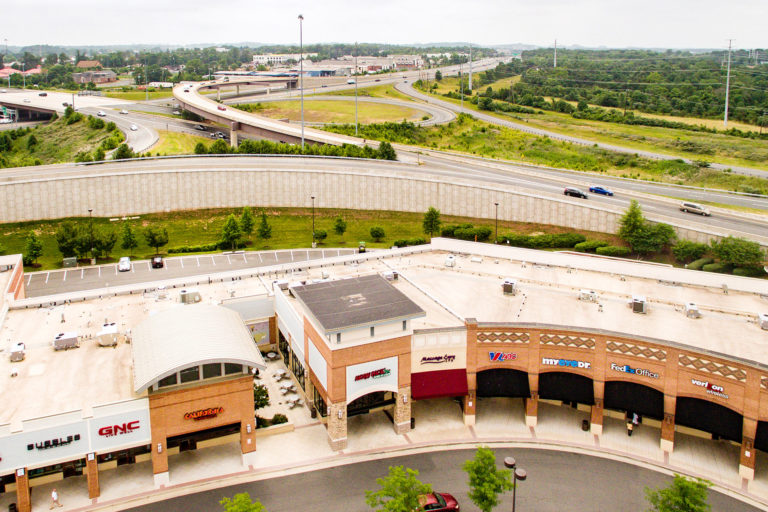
{"points": [[720, 268], [749, 272], [409, 242], [613, 250], [696, 265], [194, 248], [686, 250], [449, 230], [516, 240], [480, 234], [590, 245], [278, 418]]}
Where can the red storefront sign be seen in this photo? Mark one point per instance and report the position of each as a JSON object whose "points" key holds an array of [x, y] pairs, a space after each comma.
{"points": [[204, 414]]}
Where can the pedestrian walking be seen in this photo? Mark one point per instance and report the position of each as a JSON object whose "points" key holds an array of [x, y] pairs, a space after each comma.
{"points": [[54, 499], [630, 424]]}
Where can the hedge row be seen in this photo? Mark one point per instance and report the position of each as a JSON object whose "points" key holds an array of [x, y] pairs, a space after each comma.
{"points": [[612, 250], [409, 242], [698, 264], [467, 232], [590, 245], [204, 248], [559, 240], [721, 268]]}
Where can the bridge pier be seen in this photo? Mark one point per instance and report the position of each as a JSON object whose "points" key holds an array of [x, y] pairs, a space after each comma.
{"points": [[233, 133], [218, 93], [237, 90]]}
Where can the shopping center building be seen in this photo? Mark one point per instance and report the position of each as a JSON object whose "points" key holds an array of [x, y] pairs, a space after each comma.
{"points": [[371, 333]]}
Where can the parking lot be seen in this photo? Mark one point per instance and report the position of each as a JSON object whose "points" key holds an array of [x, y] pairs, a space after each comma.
{"points": [[103, 276]]}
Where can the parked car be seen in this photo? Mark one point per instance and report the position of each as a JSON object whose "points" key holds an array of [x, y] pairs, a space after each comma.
{"points": [[438, 502], [597, 189], [101, 113], [157, 262], [43, 94], [124, 265], [222, 107], [176, 112], [123, 111], [134, 127], [200, 127], [574, 192], [65, 104], [3, 90], [695, 208], [186, 90]]}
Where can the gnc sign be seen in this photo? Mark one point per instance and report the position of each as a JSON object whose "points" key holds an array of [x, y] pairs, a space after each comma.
{"points": [[116, 430]]}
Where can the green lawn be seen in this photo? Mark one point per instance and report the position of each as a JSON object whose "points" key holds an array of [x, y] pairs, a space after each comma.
{"points": [[139, 95], [291, 228], [319, 111], [376, 91], [175, 143]]}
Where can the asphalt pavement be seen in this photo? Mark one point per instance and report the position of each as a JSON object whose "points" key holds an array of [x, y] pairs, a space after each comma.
{"points": [[103, 276], [557, 481]]}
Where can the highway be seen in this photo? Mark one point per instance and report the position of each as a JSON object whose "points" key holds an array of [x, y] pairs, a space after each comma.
{"points": [[557, 481]]}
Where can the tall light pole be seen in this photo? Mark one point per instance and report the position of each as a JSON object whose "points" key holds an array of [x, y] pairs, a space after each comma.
{"points": [[727, 84], [146, 78], [470, 67], [461, 86], [301, 91], [90, 222], [24, 75], [517, 474], [496, 240], [355, 88], [313, 221]]}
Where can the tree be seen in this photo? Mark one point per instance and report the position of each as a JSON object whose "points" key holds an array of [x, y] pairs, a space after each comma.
{"points": [[260, 396], [377, 233], [632, 222], [400, 491], [682, 495], [438, 75], [156, 238], [431, 222], [31, 142], [386, 151], [486, 481], [321, 235], [265, 230], [122, 152], [738, 252], [66, 239], [339, 226], [128, 239], [242, 503], [34, 247], [103, 243], [230, 233], [687, 251], [200, 149], [247, 221], [642, 236]]}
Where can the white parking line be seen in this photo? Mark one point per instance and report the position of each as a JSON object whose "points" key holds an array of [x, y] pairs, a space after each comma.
{"points": [[260, 258], [229, 260], [65, 275], [181, 260], [115, 269], [291, 255], [99, 271], [198, 260], [213, 260], [244, 258], [29, 279], [149, 266], [82, 273], [47, 275]]}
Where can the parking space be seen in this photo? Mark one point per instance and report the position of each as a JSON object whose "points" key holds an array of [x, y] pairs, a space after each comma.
{"points": [[104, 276]]}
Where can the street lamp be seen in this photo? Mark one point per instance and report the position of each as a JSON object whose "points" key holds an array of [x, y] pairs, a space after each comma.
{"points": [[355, 88], [496, 240], [90, 221], [313, 222], [301, 91], [517, 474]]}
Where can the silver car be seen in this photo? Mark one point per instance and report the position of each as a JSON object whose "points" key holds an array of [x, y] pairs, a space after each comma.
{"points": [[694, 208], [124, 265]]}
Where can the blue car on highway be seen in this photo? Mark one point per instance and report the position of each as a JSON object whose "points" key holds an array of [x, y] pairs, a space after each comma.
{"points": [[601, 190]]}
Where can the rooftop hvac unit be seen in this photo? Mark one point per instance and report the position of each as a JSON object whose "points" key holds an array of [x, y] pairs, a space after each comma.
{"points": [[190, 296], [390, 275], [282, 284], [639, 304], [65, 341], [762, 319], [509, 286], [450, 261], [692, 310], [588, 295], [18, 352], [108, 336]]}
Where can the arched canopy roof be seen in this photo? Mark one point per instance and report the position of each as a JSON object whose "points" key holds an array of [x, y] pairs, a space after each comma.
{"points": [[187, 336]]}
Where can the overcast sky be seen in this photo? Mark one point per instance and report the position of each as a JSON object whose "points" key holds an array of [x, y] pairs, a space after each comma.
{"points": [[611, 23]]}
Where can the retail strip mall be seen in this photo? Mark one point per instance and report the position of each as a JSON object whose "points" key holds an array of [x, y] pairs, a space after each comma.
{"points": [[452, 321]]}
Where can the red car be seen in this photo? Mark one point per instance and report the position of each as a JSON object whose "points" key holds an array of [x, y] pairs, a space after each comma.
{"points": [[438, 502], [222, 107]]}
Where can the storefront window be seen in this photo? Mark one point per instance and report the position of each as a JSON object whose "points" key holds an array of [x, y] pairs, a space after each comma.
{"points": [[285, 348], [298, 371], [190, 374], [167, 381], [319, 403], [211, 370], [231, 368]]}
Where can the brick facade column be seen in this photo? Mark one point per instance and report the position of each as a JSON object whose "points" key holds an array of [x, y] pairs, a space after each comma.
{"points": [[23, 497], [532, 409], [749, 430], [470, 401], [403, 410], [670, 400], [532, 403], [337, 425], [273, 337], [160, 460], [598, 385], [92, 473]]}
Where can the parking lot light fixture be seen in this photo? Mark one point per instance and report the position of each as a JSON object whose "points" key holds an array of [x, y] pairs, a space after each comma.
{"points": [[518, 474]]}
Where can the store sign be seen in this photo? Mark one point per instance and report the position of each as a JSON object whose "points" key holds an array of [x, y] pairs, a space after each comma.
{"points": [[378, 375], [634, 371], [712, 389], [53, 443], [117, 430], [204, 414], [568, 363], [375, 374], [502, 356], [447, 358], [121, 429]]}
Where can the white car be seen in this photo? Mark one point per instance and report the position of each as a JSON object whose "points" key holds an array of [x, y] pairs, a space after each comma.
{"points": [[101, 113], [123, 111], [124, 265], [134, 127], [3, 90]]}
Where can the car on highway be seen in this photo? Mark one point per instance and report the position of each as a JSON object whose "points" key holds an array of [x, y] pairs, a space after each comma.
{"points": [[101, 113], [377, 80], [438, 502], [695, 208], [176, 112], [134, 127], [597, 189], [351, 81], [222, 107], [199, 127], [43, 94], [574, 192], [124, 265], [324, 85], [157, 262], [123, 111]]}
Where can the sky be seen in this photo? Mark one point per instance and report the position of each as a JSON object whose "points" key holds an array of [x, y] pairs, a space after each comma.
{"points": [[610, 23]]}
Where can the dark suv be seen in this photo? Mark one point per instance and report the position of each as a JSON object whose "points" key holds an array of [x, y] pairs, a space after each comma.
{"points": [[574, 192], [157, 262]]}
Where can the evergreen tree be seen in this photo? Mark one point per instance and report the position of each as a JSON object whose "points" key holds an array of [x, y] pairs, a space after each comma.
{"points": [[431, 222], [340, 226], [247, 221], [128, 240], [265, 230], [230, 233], [156, 238], [34, 247]]}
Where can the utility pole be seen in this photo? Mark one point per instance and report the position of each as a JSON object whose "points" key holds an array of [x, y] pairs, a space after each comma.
{"points": [[146, 78], [727, 84], [461, 86], [470, 67], [356, 88], [555, 53], [301, 91]]}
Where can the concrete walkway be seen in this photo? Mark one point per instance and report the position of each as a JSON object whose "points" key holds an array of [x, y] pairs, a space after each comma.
{"points": [[439, 425]]}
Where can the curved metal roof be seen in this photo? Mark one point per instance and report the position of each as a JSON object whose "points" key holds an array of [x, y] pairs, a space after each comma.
{"points": [[188, 336]]}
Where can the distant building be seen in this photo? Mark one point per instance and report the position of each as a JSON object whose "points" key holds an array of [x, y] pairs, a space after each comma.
{"points": [[88, 64], [161, 85], [7, 71], [271, 59], [407, 61], [97, 77]]}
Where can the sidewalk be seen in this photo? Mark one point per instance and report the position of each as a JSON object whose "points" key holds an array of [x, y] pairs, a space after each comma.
{"points": [[439, 425]]}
